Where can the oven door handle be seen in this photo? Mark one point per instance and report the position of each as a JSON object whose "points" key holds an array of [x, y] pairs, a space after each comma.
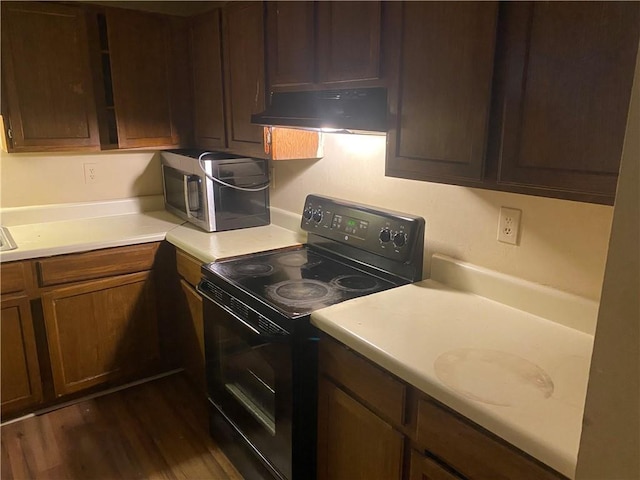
{"points": [[259, 337]]}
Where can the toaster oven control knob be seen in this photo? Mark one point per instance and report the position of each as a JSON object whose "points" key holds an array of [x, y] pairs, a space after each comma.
{"points": [[317, 216], [400, 239], [307, 213], [385, 235]]}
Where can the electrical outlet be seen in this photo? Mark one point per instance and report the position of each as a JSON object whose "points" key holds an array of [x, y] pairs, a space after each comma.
{"points": [[509, 225], [90, 173]]}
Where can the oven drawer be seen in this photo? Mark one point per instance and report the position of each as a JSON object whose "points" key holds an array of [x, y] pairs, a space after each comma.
{"points": [[376, 388]]}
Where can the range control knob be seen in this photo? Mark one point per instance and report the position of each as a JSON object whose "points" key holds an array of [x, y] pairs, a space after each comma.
{"points": [[400, 239], [385, 235], [317, 216], [307, 213]]}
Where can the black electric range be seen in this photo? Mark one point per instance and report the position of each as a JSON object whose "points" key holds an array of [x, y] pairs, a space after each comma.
{"points": [[260, 346]]}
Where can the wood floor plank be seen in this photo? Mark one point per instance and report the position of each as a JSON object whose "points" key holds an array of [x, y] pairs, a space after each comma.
{"points": [[157, 430], [178, 447], [18, 461], [192, 407]]}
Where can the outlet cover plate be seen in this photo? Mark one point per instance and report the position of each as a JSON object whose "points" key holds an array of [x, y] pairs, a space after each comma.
{"points": [[509, 225]]}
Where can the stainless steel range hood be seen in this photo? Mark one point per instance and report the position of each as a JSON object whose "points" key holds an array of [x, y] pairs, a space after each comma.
{"points": [[353, 110]]}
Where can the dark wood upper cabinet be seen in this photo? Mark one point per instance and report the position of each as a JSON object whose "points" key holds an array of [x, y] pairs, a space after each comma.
{"points": [[547, 117], [208, 83], [228, 63], [291, 43], [243, 27], [140, 52], [323, 44], [46, 77], [349, 37], [566, 71], [440, 95]]}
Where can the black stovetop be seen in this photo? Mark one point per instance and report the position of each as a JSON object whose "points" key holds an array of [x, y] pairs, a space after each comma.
{"points": [[297, 281]]}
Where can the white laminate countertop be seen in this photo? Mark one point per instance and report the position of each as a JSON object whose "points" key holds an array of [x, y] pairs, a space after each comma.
{"points": [[512, 356], [517, 374], [208, 247], [72, 228]]}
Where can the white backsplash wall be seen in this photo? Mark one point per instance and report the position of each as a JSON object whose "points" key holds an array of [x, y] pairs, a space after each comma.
{"points": [[563, 243], [44, 179]]}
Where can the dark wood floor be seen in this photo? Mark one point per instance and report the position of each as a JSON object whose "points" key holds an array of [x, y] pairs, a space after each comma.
{"points": [[157, 430]]}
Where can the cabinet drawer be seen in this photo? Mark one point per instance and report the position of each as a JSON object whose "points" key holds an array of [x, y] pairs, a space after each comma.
{"points": [[375, 387], [97, 264], [425, 468], [13, 277], [188, 267], [472, 452]]}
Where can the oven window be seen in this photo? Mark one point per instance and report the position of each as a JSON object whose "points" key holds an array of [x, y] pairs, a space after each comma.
{"points": [[248, 378]]}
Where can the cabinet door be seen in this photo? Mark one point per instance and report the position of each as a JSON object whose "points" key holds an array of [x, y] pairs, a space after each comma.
{"points": [[244, 45], [208, 92], [353, 442], [100, 331], [20, 381], [440, 98], [568, 71], [348, 41], [291, 43], [47, 78], [140, 67], [193, 337]]}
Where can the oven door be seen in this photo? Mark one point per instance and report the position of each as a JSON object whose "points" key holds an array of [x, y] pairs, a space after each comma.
{"points": [[249, 381]]}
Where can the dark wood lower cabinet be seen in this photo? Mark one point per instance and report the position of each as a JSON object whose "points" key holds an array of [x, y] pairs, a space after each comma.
{"points": [[354, 443], [100, 330], [193, 337], [189, 326], [21, 387], [78, 323], [425, 468], [360, 438]]}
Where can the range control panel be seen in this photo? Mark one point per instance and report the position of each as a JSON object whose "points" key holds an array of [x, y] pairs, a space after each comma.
{"points": [[383, 232]]}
